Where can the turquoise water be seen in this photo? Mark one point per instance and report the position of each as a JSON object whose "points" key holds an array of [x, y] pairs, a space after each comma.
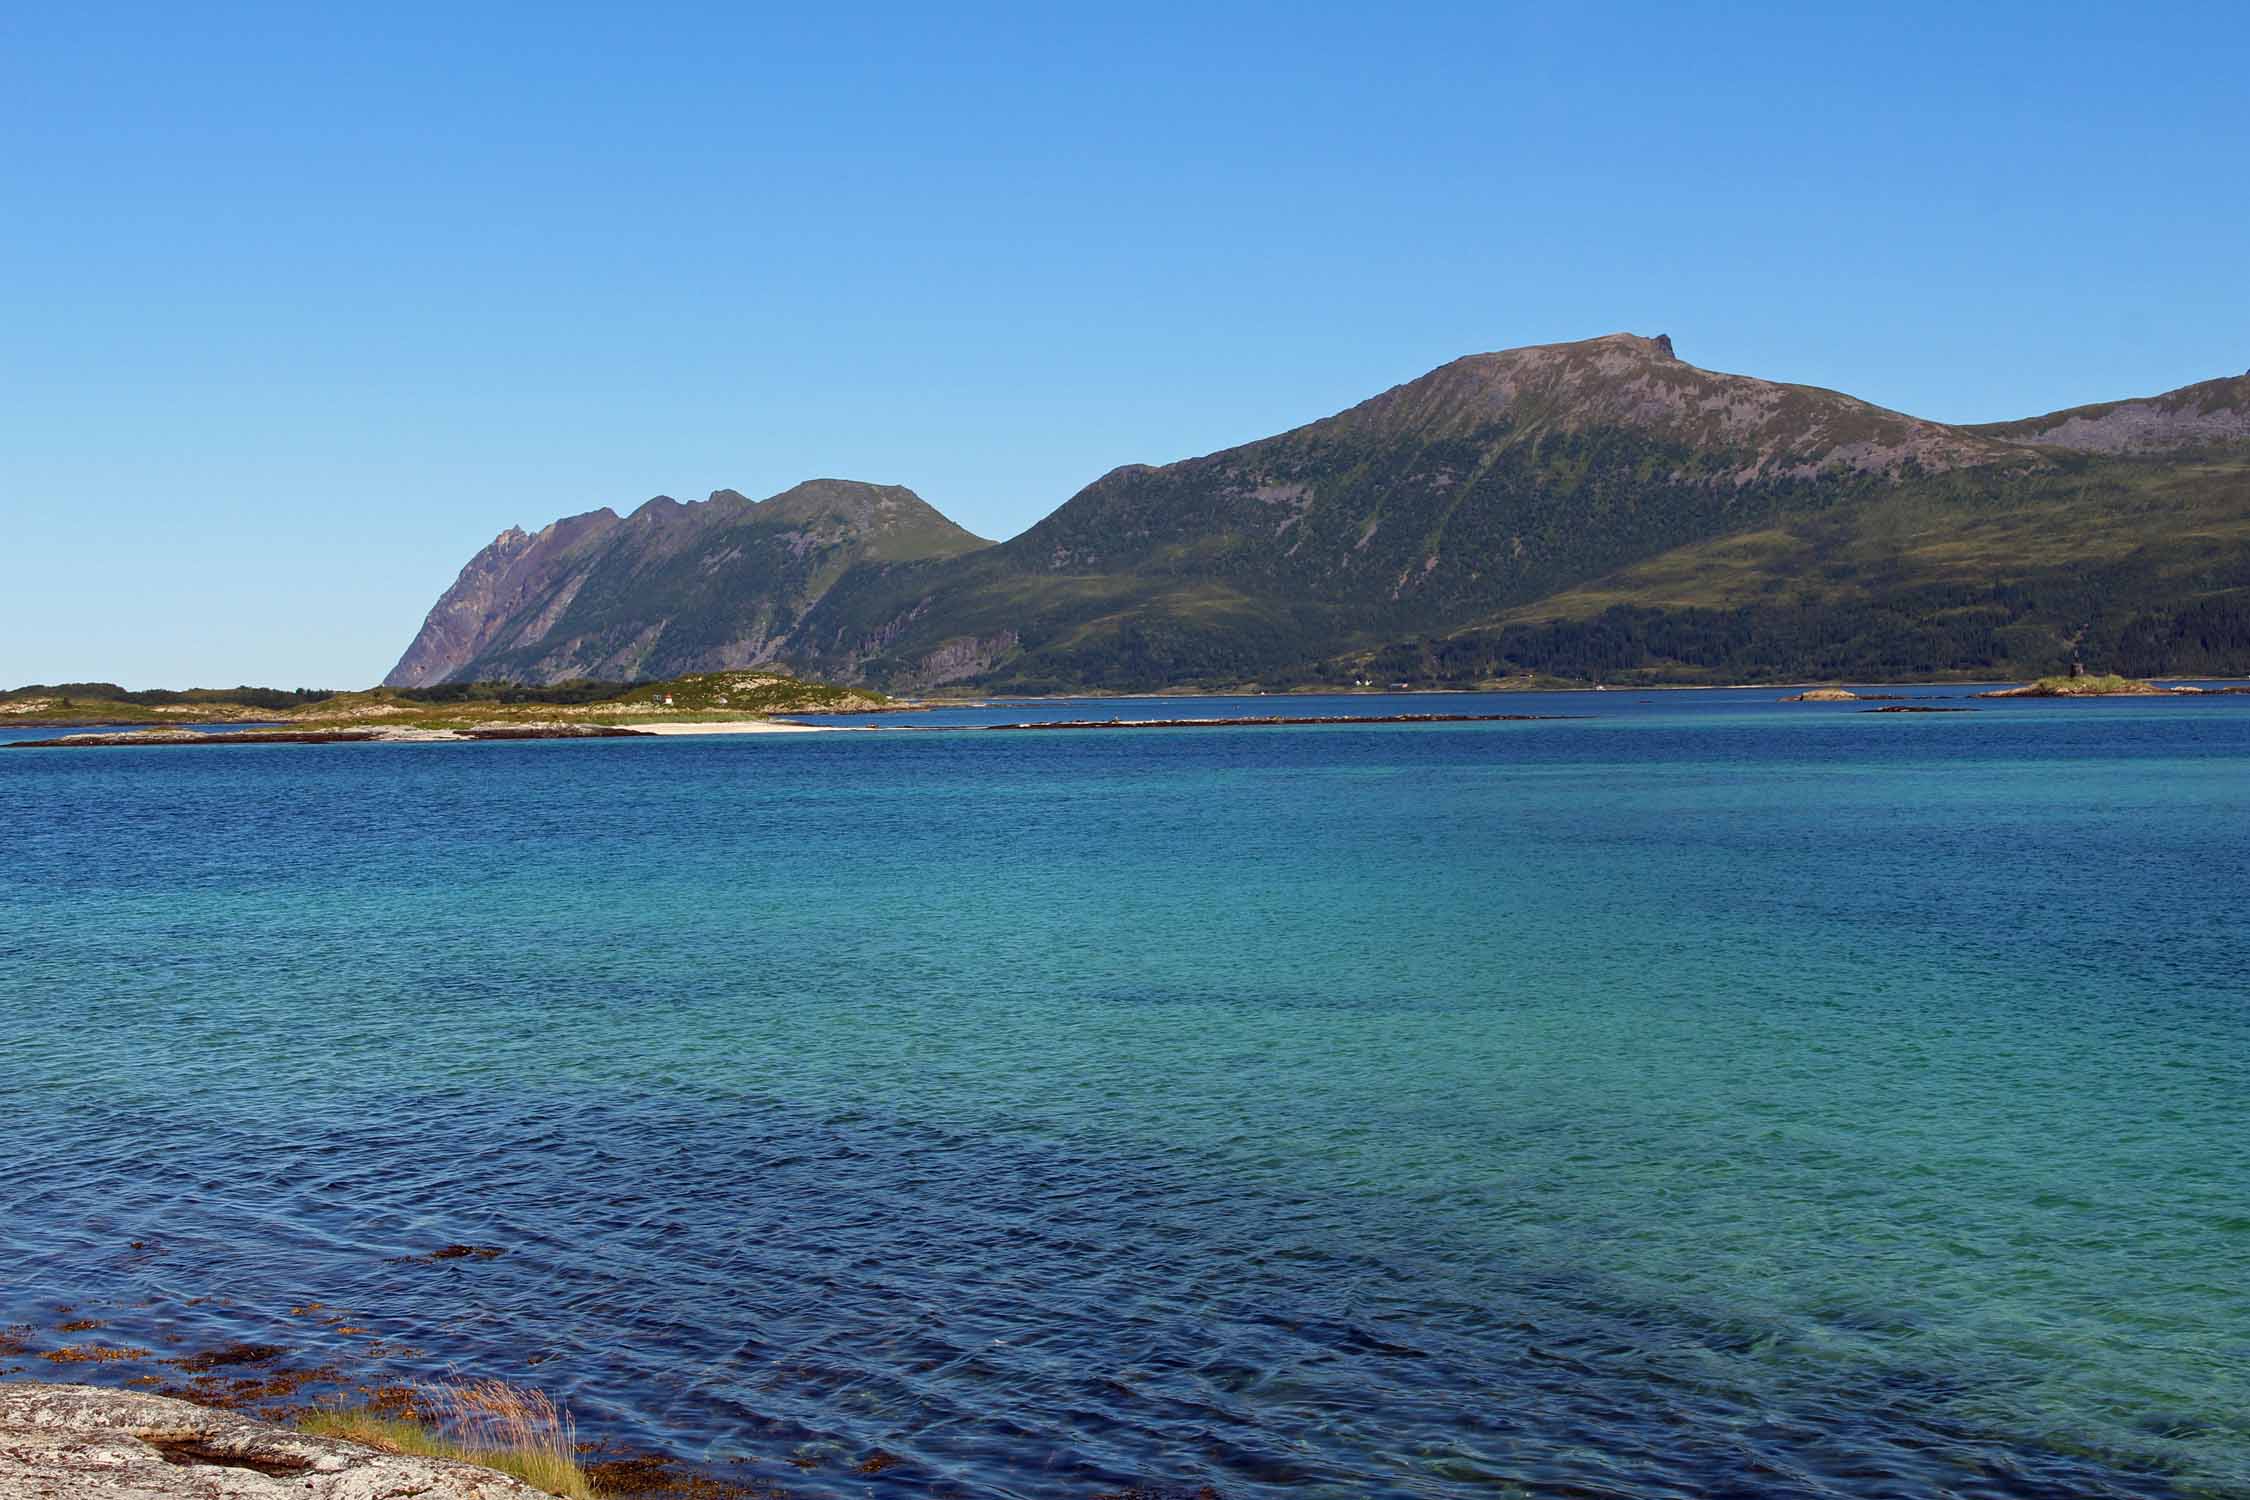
{"points": [[1695, 1096]]}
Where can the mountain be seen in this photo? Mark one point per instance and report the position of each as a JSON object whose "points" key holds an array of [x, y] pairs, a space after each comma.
{"points": [[1492, 480], [1591, 508], [669, 589]]}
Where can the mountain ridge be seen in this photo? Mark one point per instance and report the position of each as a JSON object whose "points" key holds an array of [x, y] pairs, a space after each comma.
{"points": [[2209, 411], [1467, 494]]}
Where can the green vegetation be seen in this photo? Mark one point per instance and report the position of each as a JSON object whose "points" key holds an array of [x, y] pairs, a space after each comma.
{"points": [[576, 690], [751, 691], [1424, 547], [513, 1429], [749, 694], [2139, 564]]}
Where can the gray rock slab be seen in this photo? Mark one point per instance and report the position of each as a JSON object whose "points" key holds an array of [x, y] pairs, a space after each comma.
{"points": [[65, 1442]]}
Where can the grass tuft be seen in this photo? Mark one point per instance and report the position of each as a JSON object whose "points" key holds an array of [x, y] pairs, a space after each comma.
{"points": [[514, 1429]]}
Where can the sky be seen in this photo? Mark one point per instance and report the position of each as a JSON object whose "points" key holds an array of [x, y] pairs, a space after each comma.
{"points": [[301, 305]]}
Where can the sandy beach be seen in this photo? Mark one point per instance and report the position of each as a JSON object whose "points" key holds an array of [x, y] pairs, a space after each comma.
{"points": [[733, 726]]}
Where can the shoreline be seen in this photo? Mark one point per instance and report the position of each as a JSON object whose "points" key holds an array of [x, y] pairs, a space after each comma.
{"points": [[588, 728], [1276, 721], [1512, 689], [240, 731], [362, 735], [409, 735]]}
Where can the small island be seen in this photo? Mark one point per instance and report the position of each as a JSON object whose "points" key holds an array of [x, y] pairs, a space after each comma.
{"points": [[2082, 685], [701, 703]]}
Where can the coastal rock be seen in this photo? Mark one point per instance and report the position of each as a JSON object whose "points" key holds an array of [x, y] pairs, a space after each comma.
{"points": [[1823, 695], [77, 1442]]}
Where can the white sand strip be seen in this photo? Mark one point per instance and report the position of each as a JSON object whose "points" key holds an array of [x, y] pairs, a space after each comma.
{"points": [[728, 726]]}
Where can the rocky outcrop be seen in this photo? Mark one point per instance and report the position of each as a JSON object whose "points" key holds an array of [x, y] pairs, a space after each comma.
{"points": [[963, 658], [1823, 695], [77, 1442]]}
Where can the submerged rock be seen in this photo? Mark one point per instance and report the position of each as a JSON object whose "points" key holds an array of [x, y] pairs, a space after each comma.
{"points": [[63, 1442]]}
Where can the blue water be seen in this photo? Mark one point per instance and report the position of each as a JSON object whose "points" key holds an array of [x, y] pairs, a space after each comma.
{"points": [[1700, 1096]]}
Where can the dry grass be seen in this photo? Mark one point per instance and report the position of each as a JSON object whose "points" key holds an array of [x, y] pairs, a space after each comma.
{"points": [[513, 1429]]}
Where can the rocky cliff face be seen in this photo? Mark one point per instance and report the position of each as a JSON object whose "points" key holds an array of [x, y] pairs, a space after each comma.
{"points": [[669, 589], [492, 592]]}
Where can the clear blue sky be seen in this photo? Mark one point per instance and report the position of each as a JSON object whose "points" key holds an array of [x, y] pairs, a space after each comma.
{"points": [[299, 305]]}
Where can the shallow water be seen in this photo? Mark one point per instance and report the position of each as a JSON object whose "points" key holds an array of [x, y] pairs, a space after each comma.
{"points": [[1701, 1096]]}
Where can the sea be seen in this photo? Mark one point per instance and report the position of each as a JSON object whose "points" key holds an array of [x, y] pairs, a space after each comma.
{"points": [[1674, 1094]]}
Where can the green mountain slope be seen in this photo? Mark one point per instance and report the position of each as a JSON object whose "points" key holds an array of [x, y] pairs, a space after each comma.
{"points": [[2138, 564], [1494, 480]]}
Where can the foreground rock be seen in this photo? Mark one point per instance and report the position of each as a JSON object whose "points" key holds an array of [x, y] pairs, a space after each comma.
{"points": [[62, 1442]]}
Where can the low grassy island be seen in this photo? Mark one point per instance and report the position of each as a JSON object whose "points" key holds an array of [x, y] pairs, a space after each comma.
{"points": [[701, 697], [701, 702], [2107, 685]]}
